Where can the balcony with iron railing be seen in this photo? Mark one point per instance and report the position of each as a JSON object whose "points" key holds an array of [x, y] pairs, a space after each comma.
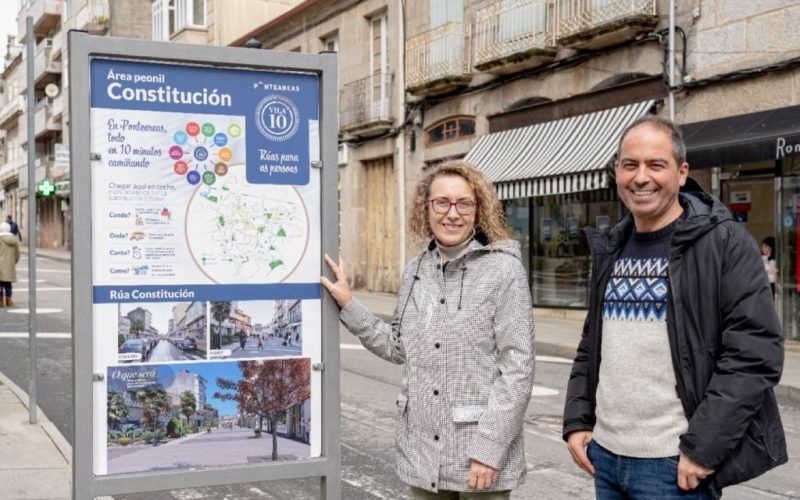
{"points": [[44, 122], [365, 105], [42, 165], [438, 60], [46, 16], [13, 163], [10, 111], [60, 41], [93, 17], [593, 24], [512, 35], [45, 68], [59, 102]]}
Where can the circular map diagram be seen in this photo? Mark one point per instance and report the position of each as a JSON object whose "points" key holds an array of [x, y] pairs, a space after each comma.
{"points": [[246, 233]]}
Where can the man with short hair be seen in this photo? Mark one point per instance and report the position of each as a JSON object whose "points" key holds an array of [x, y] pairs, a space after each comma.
{"points": [[14, 227], [671, 392]]}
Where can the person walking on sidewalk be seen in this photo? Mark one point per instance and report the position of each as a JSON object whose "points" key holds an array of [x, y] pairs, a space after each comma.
{"points": [[768, 258], [9, 256], [14, 227], [463, 330], [671, 392]]}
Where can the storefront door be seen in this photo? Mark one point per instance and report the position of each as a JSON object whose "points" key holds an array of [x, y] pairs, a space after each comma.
{"points": [[788, 242], [752, 203]]}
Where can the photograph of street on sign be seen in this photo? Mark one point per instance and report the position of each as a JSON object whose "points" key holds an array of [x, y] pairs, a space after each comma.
{"points": [[214, 414], [161, 331], [256, 329]]}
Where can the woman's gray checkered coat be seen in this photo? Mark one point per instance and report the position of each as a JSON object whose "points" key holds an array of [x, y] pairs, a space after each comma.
{"points": [[465, 334]]}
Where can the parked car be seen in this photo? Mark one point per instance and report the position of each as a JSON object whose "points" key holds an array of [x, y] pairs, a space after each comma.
{"points": [[188, 344], [135, 345]]}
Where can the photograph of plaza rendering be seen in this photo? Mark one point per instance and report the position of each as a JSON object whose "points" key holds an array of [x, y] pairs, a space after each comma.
{"points": [[161, 331], [256, 329], [210, 414]]}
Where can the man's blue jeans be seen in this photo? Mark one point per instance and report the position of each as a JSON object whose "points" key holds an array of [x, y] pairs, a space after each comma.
{"points": [[617, 478]]}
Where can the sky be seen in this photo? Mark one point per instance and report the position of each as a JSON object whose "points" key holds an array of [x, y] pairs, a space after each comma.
{"points": [[8, 21], [210, 371], [260, 311]]}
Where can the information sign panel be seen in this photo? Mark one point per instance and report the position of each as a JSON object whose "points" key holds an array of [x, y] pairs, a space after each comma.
{"points": [[204, 222]]}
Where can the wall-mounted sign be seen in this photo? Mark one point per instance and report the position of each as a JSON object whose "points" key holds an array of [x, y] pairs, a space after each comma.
{"points": [[61, 160]]}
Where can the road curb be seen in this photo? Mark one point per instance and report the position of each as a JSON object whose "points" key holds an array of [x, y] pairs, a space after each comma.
{"points": [[66, 260], [63, 446]]}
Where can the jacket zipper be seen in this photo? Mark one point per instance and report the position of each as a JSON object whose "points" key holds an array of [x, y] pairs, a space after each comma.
{"points": [[598, 322], [672, 335], [762, 436]]}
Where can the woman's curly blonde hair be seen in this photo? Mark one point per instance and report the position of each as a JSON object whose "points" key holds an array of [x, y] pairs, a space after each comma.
{"points": [[489, 215]]}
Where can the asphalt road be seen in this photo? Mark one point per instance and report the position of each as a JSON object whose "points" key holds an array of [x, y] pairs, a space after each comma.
{"points": [[369, 388], [164, 350]]}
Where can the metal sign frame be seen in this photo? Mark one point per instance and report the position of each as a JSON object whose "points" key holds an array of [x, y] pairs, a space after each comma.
{"points": [[82, 49]]}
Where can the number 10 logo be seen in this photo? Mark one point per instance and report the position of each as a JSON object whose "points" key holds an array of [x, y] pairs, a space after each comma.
{"points": [[277, 118]]}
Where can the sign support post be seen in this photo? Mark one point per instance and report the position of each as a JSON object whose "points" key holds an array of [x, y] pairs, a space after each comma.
{"points": [[32, 223]]}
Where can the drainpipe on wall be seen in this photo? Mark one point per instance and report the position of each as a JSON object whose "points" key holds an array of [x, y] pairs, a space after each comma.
{"points": [[401, 137], [671, 60]]}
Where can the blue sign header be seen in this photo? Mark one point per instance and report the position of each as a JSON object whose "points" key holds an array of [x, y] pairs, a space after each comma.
{"points": [[281, 110], [190, 293]]}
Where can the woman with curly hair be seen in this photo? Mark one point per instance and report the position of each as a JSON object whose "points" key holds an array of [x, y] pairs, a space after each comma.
{"points": [[464, 331]]}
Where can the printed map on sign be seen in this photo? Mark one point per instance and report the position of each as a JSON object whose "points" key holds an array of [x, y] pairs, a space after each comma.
{"points": [[240, 232]]}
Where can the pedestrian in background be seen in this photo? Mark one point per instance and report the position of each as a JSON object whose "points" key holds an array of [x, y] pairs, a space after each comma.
{"points": [[9, 256], [768, 258], [671, 392], [463, 330], [14, 227]]}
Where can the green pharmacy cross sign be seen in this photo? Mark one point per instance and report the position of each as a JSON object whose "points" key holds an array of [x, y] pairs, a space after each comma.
{"points": [[46, 188]]}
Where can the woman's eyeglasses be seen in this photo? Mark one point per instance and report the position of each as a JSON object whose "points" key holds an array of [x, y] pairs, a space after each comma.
{"points": [[442, 206]]}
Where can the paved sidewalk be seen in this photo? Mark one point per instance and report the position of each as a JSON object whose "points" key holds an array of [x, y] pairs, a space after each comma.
{"points": [[558, 334], [34, 459]]}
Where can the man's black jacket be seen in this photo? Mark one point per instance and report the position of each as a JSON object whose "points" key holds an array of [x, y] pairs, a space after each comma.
{"points": [[725, 338]]}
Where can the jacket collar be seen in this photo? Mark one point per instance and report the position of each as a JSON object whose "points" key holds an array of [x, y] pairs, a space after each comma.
{"points": [[702, 212], [479, 240]]}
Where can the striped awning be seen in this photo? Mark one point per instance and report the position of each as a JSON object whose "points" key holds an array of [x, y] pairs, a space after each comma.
{"points": [[557, 157]]}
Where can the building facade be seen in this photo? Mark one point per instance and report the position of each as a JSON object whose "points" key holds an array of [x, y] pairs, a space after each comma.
{"points": [[740, 112], [196, 324], [187, 381], [142, 315], [287, 321], [52, 19], [536, 93], [211, 22], [368, 35], [241, 321]]}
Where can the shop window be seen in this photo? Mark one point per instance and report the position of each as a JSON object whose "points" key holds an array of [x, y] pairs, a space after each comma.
{"points": [[450, 129], [518, 219], [553, 249]]}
